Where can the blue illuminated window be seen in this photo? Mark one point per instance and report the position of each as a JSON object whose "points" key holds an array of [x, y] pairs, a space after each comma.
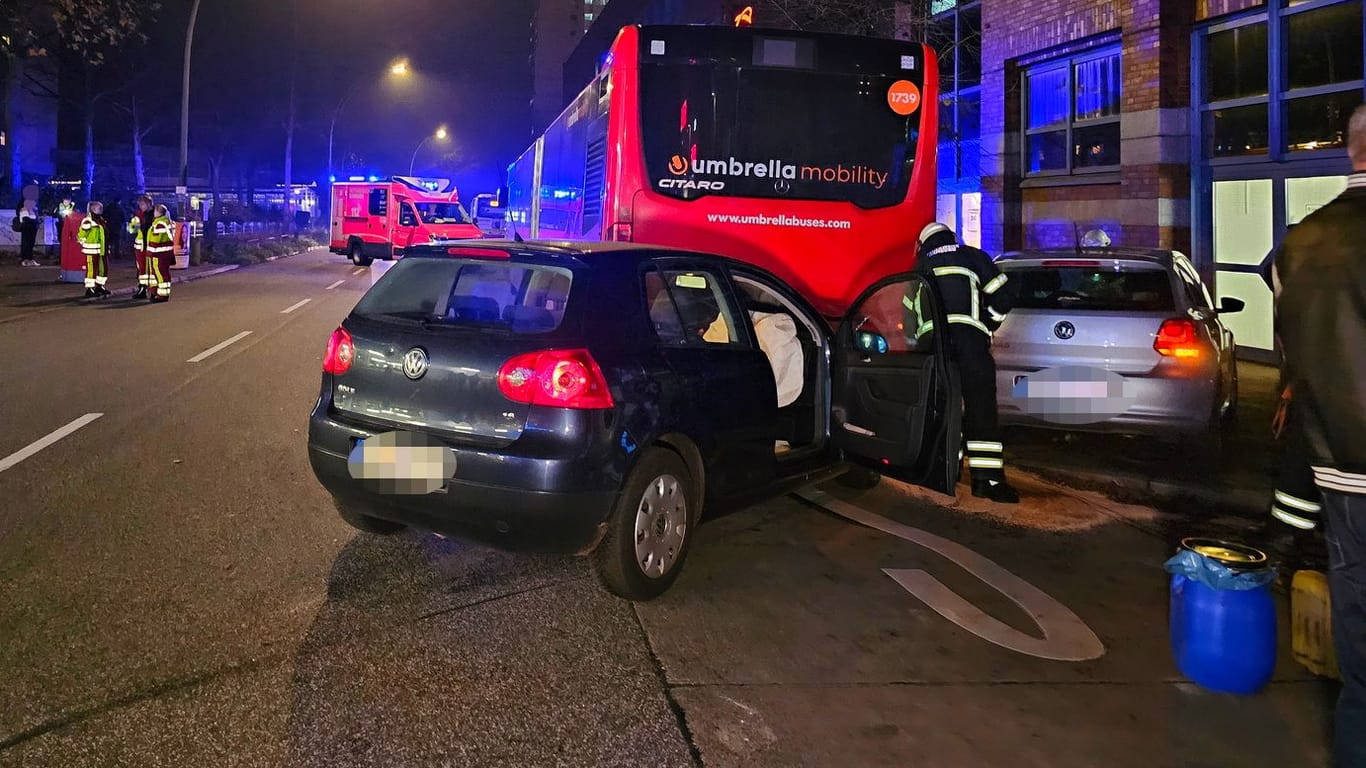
{"points": [[1071, 114]]}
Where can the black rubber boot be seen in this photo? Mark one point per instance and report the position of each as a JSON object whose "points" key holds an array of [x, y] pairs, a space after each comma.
{"points": [[91, 293], [141, 292], [998, 491], [102, 291]]}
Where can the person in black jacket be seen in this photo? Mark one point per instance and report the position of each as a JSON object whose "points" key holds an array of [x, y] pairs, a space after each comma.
{"points": [[1321, 315], [976, 296]]}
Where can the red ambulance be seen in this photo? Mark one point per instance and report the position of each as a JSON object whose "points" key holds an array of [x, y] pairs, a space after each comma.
{"points": [[379, 219]]}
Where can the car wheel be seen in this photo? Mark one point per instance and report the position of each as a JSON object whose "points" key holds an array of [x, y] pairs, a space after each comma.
{"points": [[358, 257], [650, 529], [860, 478], [363, 522]]}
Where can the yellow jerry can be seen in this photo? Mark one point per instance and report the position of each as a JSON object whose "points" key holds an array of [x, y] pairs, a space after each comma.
{"points": [[1311, 624]]}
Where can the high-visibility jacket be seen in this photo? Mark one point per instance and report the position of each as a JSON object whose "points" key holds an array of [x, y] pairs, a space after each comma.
{"points": [[972, 287], [161, 237], [135, 229], [91, 237]]}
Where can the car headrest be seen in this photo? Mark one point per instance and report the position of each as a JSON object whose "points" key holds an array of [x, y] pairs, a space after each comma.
{"points": [[477, 309], [528, 319]]}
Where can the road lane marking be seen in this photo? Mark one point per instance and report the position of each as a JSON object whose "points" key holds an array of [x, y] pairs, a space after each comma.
{"points": [[32, 448], [1065, 636], [357, 271], [334, 285], [219, 347], [294, 306]]}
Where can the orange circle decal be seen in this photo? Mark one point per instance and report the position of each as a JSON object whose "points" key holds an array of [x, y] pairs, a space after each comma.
{"points": [[903, 97], [678, 165]]}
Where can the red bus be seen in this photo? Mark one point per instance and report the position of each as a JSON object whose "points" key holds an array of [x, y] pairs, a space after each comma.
{"points": [[810, 155]]}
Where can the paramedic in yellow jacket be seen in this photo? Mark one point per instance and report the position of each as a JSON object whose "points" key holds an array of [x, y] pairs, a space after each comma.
{"points": [[138, 225], [93, 245], [160, 252]]}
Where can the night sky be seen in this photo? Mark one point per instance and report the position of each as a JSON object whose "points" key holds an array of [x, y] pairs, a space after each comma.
{"points": [[470, 72]]}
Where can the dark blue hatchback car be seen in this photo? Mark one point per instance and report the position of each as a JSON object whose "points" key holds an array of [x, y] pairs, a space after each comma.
{"points": [[595, 398]]}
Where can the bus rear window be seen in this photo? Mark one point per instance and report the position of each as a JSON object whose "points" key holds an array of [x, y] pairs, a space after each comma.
{"points": [[719, 129], [1097, 289], [521, 298]]}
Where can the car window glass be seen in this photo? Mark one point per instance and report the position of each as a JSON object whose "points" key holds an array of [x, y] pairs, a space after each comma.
{"points": [[1195, 287], [1094, 288], [663, 314], [702, 307], [406, 217], [522, 298], [379, 202], [902, 313]]}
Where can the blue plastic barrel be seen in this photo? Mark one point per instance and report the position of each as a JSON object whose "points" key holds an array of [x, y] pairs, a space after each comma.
{"points": [[1224, 639]]}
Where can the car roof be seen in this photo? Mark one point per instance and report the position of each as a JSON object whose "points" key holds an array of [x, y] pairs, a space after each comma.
{"points": [[1160, 256], [581, 251]]}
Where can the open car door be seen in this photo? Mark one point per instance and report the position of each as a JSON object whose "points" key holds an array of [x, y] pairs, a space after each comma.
{"points": [[897, 406]]}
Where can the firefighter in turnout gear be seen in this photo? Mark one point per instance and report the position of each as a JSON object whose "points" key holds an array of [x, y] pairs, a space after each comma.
{"points": [[137, 227], [160, 253], [976, 296], [94, 247]]}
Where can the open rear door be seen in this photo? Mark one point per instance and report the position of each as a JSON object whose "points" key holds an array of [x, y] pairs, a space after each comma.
{"points": [[897, 406]]}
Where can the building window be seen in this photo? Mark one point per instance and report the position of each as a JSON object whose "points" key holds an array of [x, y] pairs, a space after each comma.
{"points": [[1072, 115], [1262, 101], [1323, 75], [955, 33]]}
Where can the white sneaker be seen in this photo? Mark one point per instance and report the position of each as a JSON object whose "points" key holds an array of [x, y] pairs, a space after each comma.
{"points": [[30, 263]]}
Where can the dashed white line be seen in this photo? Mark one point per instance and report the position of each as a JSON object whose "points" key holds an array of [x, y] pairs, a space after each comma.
{"points": [[334, 285], [357, 271], [218, 347], [294, 306], [32, 448]]}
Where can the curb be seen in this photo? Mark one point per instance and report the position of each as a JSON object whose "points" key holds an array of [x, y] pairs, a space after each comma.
{"points": [[1245, 501], [184, 278]]}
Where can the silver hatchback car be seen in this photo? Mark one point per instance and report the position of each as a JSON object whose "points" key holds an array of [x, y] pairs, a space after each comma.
{"points": [[1115, 340]]}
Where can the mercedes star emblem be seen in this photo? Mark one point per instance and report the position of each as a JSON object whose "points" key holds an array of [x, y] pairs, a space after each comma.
{"points": [[415, 363], [1064, 330]]}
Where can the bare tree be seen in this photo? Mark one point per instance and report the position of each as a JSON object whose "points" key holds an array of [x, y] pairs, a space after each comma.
{"points": [[876, 18], [291, 113], [86, 28]]}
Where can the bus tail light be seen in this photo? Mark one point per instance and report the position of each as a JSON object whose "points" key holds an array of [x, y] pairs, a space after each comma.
{"points": [[620, 233]]}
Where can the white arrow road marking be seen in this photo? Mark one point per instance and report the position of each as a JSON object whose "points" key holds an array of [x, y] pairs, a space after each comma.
{"points": [[294, 306], [334, 285], [219, 347], [44, 442], [1065, 636]]}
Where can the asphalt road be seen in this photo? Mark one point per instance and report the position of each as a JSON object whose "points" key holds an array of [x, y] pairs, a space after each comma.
{"points": [[176, 590]]}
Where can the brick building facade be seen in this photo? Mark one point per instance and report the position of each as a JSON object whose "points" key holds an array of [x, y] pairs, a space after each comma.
{"points": [[1208, 126]]}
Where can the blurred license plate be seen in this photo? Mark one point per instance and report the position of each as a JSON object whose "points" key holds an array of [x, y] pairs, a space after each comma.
{"points": [[401, 463]]}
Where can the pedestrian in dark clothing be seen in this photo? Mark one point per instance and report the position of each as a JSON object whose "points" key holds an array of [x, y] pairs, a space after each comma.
{"points": [[28, 232], [1321, 314], [116, 234], [976, 299]]}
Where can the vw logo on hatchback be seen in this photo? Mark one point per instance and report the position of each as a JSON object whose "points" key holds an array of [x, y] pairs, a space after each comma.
{"points": [[1064, 330], [415, 363]]}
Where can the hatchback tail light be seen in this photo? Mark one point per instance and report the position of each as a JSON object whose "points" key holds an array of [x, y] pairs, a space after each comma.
{"points": [[341, 350], [559, 378], [1179, 339]]}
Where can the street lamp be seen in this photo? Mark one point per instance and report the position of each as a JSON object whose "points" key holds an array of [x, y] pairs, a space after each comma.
{"points": [[440, 135], [399, 68]]}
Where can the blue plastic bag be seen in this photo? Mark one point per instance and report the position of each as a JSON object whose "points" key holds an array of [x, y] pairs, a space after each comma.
{"points": [[1216, 575]]}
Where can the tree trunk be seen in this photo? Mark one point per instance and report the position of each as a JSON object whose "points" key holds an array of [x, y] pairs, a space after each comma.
{"points": [[139, 165], [13, 120], [289, 120], [216, 199], [88, 166]]}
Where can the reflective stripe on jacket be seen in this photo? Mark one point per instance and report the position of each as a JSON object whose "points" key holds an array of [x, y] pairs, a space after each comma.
{"points": [[91, 237], [161, 236]]}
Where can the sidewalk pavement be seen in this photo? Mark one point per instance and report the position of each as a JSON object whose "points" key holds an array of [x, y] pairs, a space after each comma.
{"points": [[1151, 472], [26, 291]]}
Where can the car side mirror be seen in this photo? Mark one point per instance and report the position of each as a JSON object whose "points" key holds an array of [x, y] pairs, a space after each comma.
{"points": [[870, 343], [1228, 306]]}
